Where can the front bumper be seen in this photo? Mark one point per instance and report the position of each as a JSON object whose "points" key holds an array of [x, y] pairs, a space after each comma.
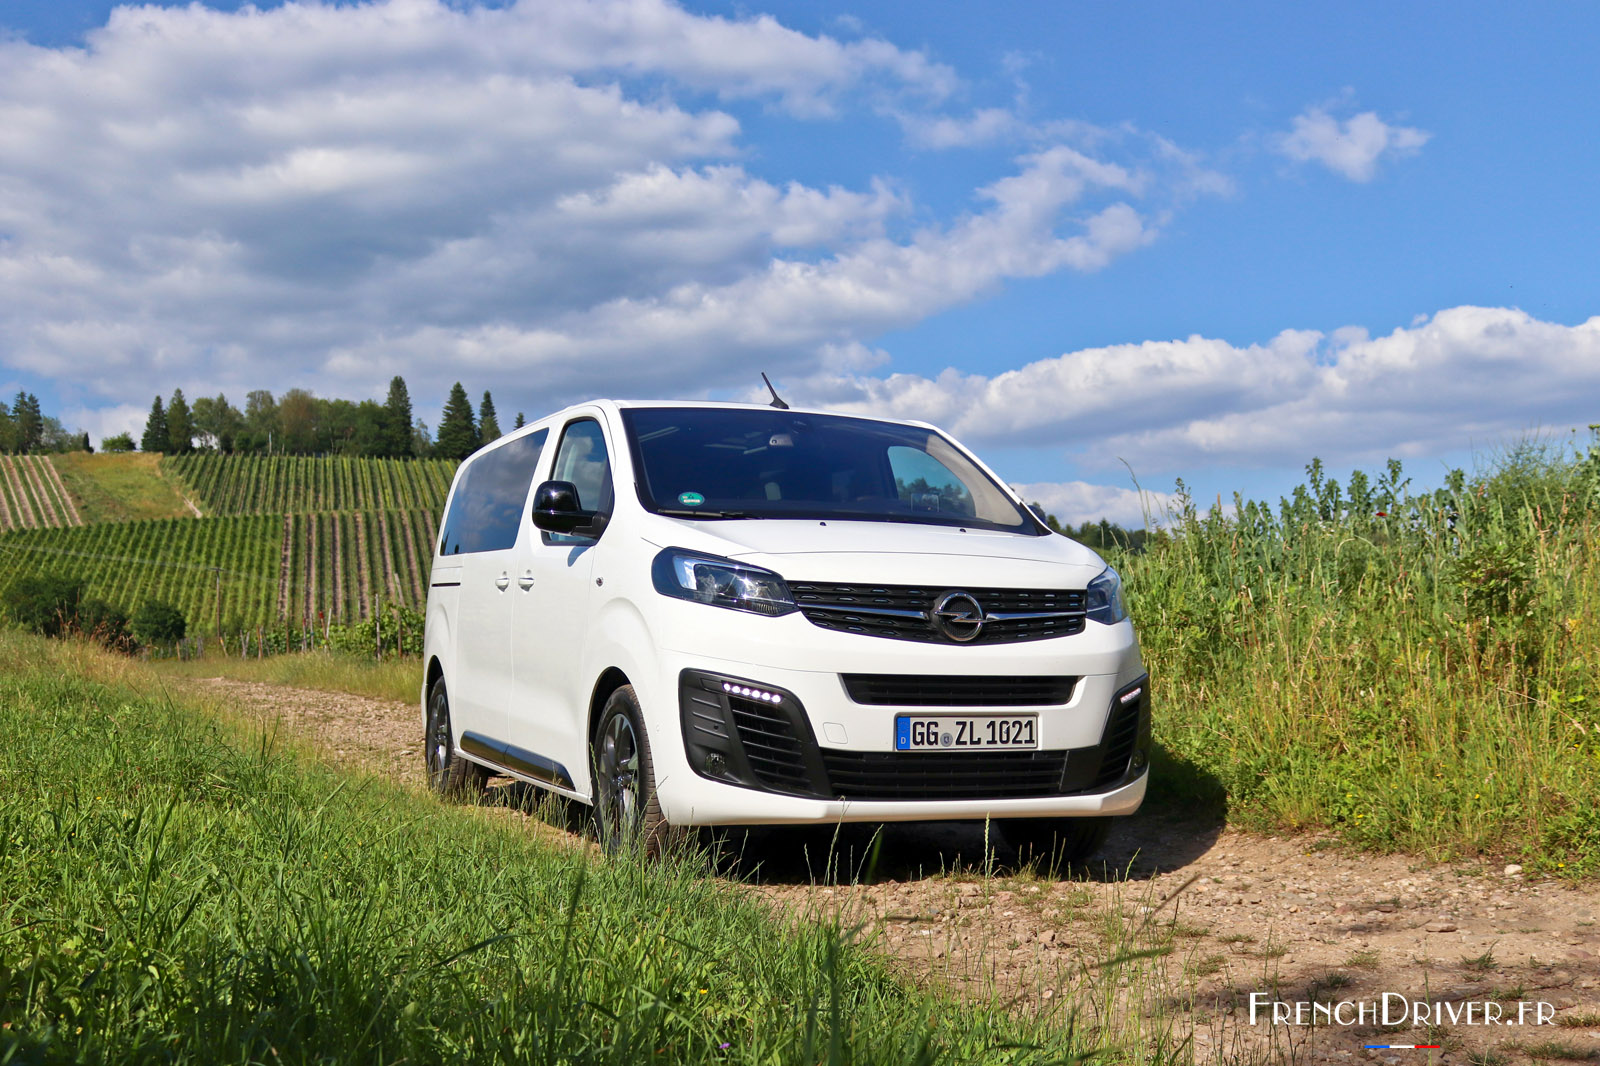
{"points": [[755, 758]]}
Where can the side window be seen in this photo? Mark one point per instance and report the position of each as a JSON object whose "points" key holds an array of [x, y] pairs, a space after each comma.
{"points": [[486, 510], [583, 461], [925, 484]]}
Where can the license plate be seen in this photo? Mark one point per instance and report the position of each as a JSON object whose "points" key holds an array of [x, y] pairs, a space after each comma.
{"points": [[939, 732]]}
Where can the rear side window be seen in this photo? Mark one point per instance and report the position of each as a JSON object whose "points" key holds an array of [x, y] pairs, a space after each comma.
{"points": [[486, 510]]}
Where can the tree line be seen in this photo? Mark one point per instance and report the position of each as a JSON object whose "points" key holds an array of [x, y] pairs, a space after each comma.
{"points": [[25, 429], [300, 423]]}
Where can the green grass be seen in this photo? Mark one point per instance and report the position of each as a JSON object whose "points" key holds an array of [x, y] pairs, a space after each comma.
{"points": [[178, 890], [326, 671], [119, 487], [1416, 672]]}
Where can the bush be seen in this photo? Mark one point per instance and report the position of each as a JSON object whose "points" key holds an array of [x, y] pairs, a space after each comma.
{"points": [[159, 623], [105, 624], [46, 604]]}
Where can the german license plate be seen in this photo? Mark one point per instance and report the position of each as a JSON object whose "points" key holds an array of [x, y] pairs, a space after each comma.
{"points": [[943, 732]]}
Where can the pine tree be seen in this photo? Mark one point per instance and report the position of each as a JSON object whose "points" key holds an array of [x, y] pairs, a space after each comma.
{"points": [[520, 421], [83, 443], [458, 435], [180, 426], [30, 423], [488, 424], [155, 429], [397, 420]]}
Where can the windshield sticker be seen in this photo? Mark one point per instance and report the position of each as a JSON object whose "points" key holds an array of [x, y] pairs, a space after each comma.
{"points": [[691, 499]]}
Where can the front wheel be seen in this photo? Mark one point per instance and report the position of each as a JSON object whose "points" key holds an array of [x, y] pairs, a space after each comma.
{"points": [[1054, 842], [448, 774], [627, 813]]}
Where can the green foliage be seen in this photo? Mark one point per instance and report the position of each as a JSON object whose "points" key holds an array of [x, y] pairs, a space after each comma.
{"points": [[159, 623], [180, 426], [254, 484], [117, 442], [44, 603], [458, 435], [291, 574], [397, 421], [488, 424], [180, 892], [395, 629], [54, 605], [105, 624], [1413, 669], [155, 429]]}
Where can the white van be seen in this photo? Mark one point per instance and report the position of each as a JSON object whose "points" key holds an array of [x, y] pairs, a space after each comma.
{"points": [[709, 613]]}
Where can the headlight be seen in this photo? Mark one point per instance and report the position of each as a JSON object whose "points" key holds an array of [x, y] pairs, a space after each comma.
{"points": [[720, 582], [1105, 598]]}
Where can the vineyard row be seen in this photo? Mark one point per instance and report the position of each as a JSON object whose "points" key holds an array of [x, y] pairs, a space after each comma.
{"points": [[288, 484], [32, 495], [252, 569]]}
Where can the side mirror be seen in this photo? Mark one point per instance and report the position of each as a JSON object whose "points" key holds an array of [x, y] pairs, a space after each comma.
{"points": [[556, 510]]}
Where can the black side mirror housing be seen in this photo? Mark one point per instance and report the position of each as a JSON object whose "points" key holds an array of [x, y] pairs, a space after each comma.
{"points": [[556, 509]]}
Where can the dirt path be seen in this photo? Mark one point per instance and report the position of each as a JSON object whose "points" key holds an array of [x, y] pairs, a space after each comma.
{"points": [[1222, 915]]}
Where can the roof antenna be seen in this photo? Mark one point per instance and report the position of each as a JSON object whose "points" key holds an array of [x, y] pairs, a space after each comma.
{"points": [[776, 401]]}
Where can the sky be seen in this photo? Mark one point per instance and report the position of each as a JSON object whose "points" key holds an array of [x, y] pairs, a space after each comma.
{"points": [[1103, 245]]}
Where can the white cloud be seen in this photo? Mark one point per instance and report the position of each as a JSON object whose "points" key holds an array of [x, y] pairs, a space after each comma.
{"points": [[1167, 406], [984, 126], [325, 195], [1351, 147], [1076, 502]]}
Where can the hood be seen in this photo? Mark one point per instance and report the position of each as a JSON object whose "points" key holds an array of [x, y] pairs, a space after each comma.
{"points": [[889, 552]]}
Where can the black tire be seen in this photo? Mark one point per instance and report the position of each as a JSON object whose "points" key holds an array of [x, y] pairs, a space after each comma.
{"points": [[449, 775], [1055, 842], [627, 813]]}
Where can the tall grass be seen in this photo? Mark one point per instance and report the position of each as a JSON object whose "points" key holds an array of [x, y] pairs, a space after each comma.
{"points": [[1415, 670], [328, 671], [175, 891]]}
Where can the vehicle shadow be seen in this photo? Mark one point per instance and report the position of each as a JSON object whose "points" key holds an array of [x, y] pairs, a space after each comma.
{"points": [[1184, 813]]}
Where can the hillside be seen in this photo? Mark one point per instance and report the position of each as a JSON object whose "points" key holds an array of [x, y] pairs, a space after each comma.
{"points": [[253, 484], [32, 495], [126, 487], [251, 570]]}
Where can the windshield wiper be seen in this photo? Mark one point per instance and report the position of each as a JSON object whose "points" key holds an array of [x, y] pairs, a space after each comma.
{"points": [[700, 513]]}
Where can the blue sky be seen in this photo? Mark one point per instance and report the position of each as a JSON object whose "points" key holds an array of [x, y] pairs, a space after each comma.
{"points": [[1209, 246]]}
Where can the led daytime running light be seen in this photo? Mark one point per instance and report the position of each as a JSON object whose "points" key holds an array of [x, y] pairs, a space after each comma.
{"points": [[751, 693]]}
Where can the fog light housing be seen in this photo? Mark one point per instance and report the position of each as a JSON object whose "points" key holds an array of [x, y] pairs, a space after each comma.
{"points": [[716, 763]]}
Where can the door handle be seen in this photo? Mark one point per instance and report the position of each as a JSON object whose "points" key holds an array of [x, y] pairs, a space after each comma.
{"points": [[502, 582], [525, 582]]}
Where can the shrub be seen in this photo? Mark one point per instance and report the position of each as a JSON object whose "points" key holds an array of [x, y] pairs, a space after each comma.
{"points": [[159, 623], [44, 603], [105, 624]]}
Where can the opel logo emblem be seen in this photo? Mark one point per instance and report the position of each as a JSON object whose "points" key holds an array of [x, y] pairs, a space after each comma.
{"points": [[958, 616]]}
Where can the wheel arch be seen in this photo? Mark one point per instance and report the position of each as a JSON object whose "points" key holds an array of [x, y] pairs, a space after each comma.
{"points": [[611, 679]]}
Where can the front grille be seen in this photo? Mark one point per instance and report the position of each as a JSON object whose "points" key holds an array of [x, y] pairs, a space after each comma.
{"points": [[1121, 735], [893, 775], [942, 690], [905, 612], [771, 745]]}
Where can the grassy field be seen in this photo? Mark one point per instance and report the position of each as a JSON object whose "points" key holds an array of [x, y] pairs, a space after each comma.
{"points": [[1418, 672], [177, 890], [323, 670], [119, 487]]}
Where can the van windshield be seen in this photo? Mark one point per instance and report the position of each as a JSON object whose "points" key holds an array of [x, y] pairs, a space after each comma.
{"points": [[709, 463]]}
